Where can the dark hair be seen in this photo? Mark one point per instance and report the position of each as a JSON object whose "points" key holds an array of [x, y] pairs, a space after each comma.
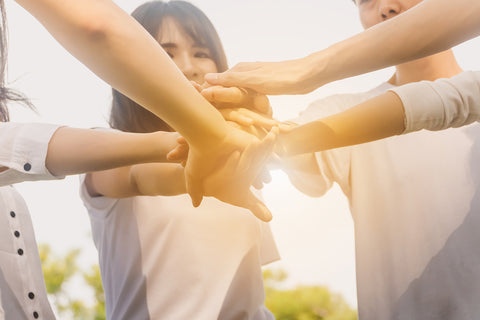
{"points": [[6, 94], [127, 115]]}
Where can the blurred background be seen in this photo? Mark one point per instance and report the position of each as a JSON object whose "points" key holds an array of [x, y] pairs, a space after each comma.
{"points": [[314, 236]]}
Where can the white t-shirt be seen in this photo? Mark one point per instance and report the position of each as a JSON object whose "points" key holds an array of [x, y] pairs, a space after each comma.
{"points": [[160, 258], [441, 104], [23, 149], [415, 217]]}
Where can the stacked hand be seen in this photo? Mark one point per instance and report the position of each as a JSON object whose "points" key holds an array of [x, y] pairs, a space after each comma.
{"points": [[286, 77], [227, 169]]}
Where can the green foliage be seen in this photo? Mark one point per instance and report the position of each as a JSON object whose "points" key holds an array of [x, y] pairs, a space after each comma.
{"points": [[300, 303], [94, 280], [58, 271], [303, 302]]}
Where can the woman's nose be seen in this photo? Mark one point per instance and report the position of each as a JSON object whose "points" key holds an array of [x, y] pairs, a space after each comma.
{"points": [[389, 8], [187, 66]]}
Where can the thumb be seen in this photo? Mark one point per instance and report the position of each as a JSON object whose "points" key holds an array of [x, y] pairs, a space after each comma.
{"points": [[258, 208], [194, 190], [226, 79]]}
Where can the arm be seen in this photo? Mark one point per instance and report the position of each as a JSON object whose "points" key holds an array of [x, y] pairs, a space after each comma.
{"points": [[428, 28], [114, 46], [143, 179], [36, 151], [377, 118], [437, 105], [73, 151]]}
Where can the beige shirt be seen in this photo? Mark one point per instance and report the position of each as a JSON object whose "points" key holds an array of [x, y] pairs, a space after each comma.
{"points": [[23, 149], [415, 217]]}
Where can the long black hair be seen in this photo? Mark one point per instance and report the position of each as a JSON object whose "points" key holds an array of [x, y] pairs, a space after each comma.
{"points": [[127, 115], [6, 94]]}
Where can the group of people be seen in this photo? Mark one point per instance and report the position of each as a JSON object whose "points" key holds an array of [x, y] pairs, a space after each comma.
{"points": [[166, 257]]}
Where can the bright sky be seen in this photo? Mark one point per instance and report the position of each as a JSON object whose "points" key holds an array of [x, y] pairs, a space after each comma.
{"points": [[315, 236]]}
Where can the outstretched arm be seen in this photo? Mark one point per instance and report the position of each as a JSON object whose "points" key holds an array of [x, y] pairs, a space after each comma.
{"points": [[374, 119], [73, 151], [150, 179], [430, 27], [437, 105], [114, 46], [119, 50]]}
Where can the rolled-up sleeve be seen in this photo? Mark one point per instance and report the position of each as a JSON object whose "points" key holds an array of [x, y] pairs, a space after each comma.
{"points": [[23, 150], [441, 104]]}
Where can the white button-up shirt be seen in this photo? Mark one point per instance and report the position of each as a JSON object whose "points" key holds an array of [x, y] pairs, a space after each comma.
{"points": [[23, 149]]}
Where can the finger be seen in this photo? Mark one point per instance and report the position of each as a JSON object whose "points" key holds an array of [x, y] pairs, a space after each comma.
{"points": [[234, 124], [179, 153], [181, 140], [227, 79], [266, 147], [258, 119], [286, 127], [258, 183], [236, 116], [262, 104], [196, 85], [258, 208], [265, 176], [194, 188], [224, 95]]}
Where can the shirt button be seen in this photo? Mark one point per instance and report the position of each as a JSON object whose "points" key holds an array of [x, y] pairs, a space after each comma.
{"points": [[17, 234], [12, 214], [31, 295], [35, 314], [20, 252], [27, 166]]}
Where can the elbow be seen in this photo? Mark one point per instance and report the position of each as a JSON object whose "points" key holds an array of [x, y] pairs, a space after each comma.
{"points": [[95, 30]]}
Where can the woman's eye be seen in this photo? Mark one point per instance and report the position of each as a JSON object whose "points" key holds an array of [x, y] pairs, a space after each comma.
{"points": [[203, 55]]}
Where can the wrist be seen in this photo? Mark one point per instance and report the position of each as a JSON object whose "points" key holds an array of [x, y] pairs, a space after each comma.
{"points": [[159, 144]]}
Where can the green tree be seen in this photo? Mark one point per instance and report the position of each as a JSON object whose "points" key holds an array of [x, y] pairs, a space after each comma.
{"points": [[300, 303], [58, 271], [303, 302]]}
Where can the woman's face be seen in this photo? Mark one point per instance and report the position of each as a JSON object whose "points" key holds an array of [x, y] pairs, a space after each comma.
{"points": [[193, 59], [376, 11]]}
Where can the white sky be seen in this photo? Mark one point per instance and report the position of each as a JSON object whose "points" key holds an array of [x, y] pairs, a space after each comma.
{"points": [[315, 236]]}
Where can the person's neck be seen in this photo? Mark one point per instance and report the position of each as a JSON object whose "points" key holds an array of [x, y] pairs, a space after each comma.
{"points": [[440, 65]]}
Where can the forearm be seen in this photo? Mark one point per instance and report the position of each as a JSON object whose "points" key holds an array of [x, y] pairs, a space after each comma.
{"points": [[167, 179], [149, 179], [431, 27], [377, 118], [73, 151], [119, 50]]}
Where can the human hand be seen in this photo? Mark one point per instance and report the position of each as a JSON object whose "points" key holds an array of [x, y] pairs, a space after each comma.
{"points": [[180, 152], [234, 97], [239, 158], [231, 182], [286, 77], [247, 118]]}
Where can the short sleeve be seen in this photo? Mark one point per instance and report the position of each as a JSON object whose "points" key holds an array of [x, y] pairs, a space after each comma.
{"points": [[333, 165], [441, 104], [97, 206], [23, 149]]}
